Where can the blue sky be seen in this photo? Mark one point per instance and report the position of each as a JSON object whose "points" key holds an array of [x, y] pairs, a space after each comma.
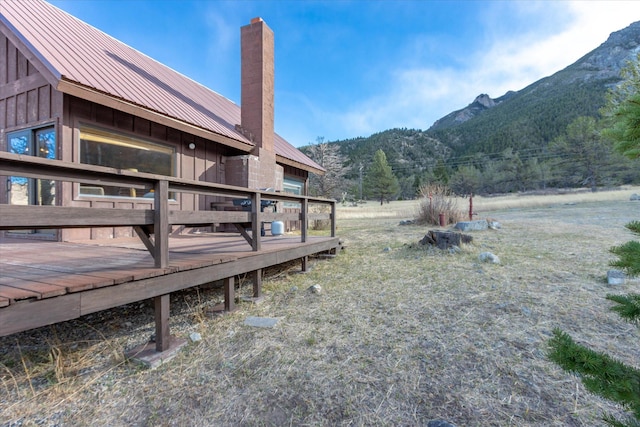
{"points": [[350, 68]]}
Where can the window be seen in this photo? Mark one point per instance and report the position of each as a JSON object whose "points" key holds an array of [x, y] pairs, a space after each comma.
{"points": [[39, 142], [292, 186], [104, 148]]}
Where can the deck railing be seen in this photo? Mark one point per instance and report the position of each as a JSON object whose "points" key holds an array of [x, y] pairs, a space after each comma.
{"points": [[152, 225]]}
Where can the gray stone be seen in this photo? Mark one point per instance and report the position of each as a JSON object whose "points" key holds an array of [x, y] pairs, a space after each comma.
{"points": [[494, 225], [407, 222], [315, 289], [440, 423], [195, 337], [634, 197], [615, 277], [387, 249], [261, 322], [478, 225], [489, 257]]}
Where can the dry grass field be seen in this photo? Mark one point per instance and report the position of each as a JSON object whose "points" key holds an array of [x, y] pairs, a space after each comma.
{"points": [[398, 335]]}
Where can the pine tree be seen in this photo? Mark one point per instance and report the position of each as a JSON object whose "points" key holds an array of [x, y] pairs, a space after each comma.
{"points": [[380, 182], [601, 374]]}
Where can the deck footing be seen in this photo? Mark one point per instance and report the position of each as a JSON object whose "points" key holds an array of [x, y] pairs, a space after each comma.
{"points": [[147, 356]]}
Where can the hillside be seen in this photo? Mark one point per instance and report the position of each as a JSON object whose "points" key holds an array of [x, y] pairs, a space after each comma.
{"points": [[528, 119]]}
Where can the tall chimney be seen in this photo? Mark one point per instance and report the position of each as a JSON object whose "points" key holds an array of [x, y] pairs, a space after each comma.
{"points": [[257, 83]]}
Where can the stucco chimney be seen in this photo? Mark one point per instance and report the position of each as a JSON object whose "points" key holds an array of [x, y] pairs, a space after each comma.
{"points": [[257, 83]]}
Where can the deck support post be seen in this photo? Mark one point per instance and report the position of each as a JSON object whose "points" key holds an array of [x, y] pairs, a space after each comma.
{"points": [[305, 264], [163, 338], [257, 282], [229, 294]]}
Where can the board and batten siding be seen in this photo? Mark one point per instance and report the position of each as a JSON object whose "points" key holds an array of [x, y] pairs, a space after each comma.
{"points": [[26, 98], [204, 163]]}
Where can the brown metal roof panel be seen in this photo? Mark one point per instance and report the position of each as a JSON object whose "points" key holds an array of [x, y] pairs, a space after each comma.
{"points": [[88, 56], [83, 54], [284, 149]]}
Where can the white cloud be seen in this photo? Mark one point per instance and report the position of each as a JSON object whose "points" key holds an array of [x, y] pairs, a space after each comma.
{"points": [[417, 97]]}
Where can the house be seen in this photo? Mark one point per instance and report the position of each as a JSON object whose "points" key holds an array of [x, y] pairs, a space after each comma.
{"points": [[71, 92], [98, 141]]}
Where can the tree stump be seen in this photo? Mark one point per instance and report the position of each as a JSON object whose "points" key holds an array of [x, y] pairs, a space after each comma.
{"points": [[445, 239]]}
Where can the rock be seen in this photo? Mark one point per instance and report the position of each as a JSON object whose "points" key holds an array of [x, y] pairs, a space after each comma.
{"points": [[615, 277], [407, 222], [261, 322], [478, 225], [387, 249], [195, 337], [440, 423], [315, 289], [489, 257], [634, 197], [494, 225]]}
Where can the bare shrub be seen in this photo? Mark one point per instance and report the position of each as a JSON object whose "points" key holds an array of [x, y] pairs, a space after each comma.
{"points": [[436, 199], [320, 224]]}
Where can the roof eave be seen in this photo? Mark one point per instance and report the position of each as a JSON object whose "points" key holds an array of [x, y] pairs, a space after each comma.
{"points": [[299, 165], [91, 94]]}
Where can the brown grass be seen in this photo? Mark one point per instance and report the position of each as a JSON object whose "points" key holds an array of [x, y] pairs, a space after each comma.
{"points": [[399, 335]]}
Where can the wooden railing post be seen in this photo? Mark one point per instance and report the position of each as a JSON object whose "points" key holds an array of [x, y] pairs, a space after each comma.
{"points": [[161, 224], [255, 221], [304, 219], [333, 219]]}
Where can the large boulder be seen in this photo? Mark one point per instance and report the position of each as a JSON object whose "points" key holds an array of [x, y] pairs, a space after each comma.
{"points": [[478, 225]]}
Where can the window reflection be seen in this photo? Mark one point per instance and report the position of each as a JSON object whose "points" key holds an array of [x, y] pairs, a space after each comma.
{"points": [[103, 148]]}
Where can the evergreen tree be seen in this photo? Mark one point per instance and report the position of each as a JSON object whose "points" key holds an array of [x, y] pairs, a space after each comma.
{"points": [[380, 181], [600, 373], [587, 154]]}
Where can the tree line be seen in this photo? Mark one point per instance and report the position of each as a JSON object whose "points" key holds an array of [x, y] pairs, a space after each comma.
{"points": [[582, 155]]}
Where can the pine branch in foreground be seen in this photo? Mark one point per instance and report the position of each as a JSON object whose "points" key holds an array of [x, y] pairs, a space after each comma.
{"points": [[600, 374], [629, 257], [628, 306]]}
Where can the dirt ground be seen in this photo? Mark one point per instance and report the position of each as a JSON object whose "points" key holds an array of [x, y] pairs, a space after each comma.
{"points": [[398, 335]]}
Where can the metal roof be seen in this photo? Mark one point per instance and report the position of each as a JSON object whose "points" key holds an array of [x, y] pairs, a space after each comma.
{"points": [[80, 57]]}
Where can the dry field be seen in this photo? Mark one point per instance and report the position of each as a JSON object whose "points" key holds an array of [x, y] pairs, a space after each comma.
{"points": [[399, 335]]}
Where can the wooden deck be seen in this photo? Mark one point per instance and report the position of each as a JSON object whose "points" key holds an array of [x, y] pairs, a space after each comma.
{"points": [[47, 282], [42, 283]]}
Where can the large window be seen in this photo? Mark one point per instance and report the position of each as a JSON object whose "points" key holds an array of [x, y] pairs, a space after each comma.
{"points": [[104, 148]]}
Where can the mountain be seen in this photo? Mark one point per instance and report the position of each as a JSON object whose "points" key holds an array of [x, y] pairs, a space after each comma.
{"points": [[528, 119], [535, 115]]}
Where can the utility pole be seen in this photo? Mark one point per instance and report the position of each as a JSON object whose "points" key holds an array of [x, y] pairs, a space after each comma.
{"points": [[360, 171]]}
